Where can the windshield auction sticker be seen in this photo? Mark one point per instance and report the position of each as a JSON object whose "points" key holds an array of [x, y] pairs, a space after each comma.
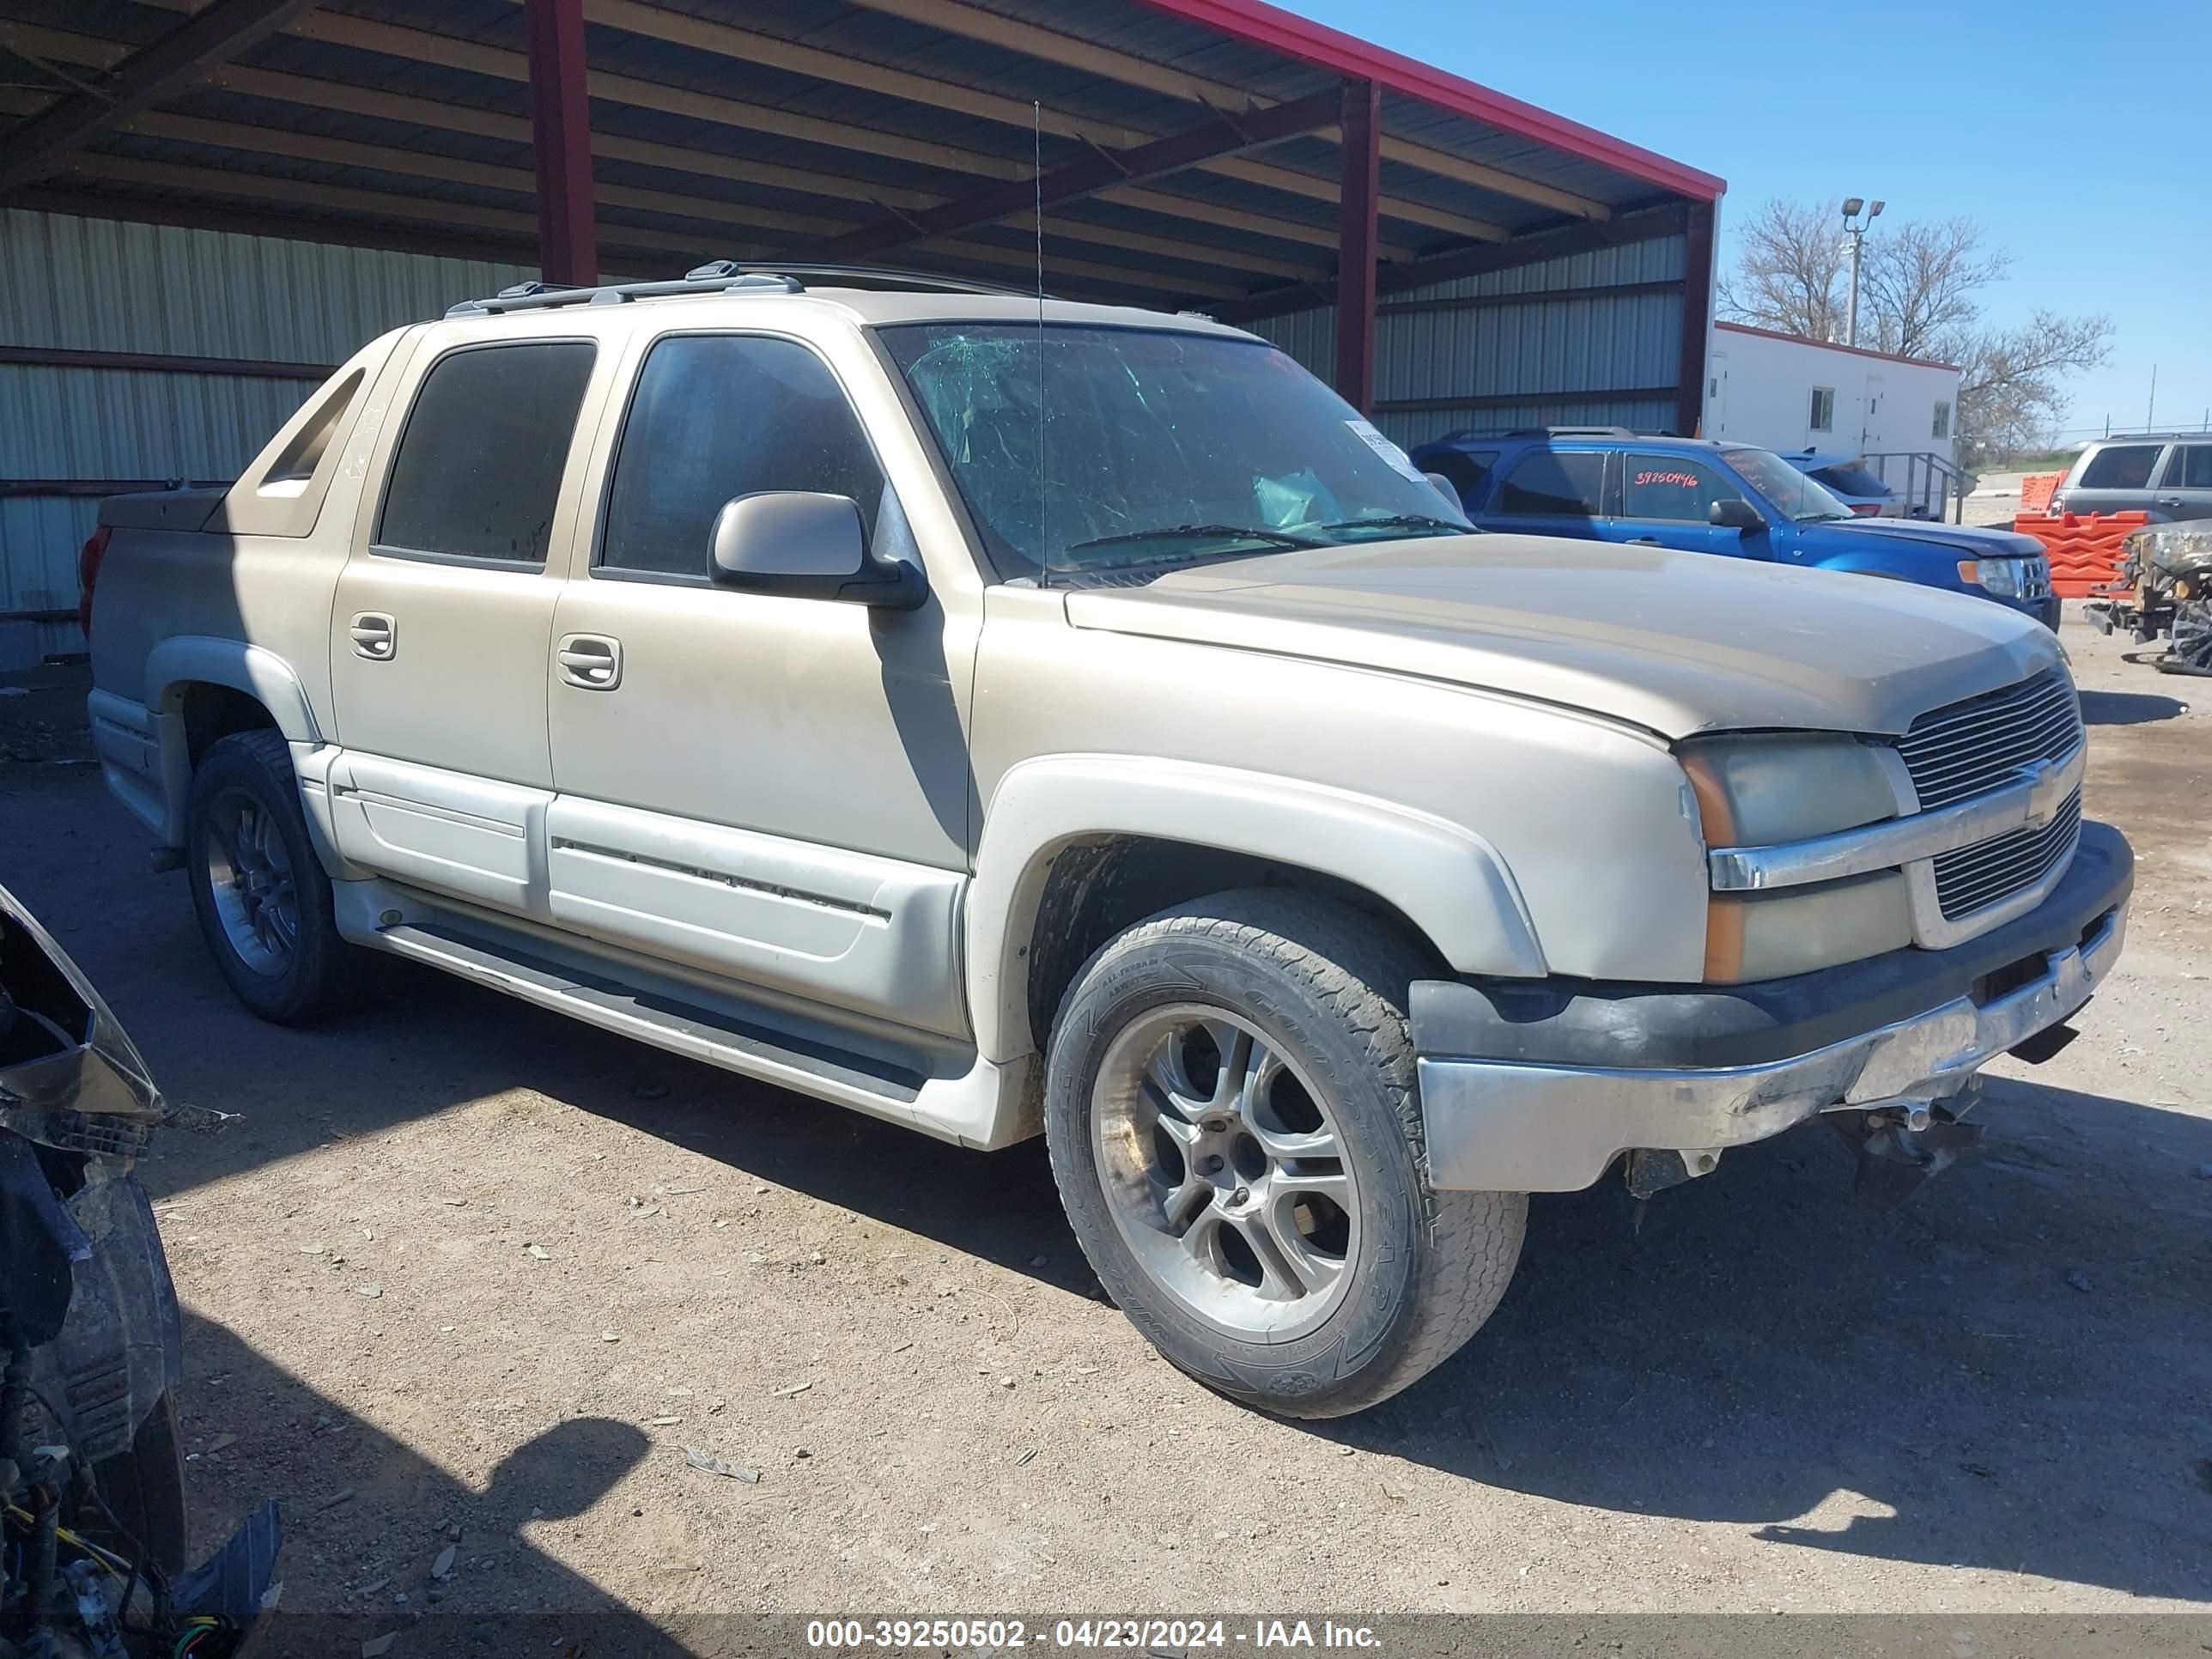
{"points": [[1388, 450]]}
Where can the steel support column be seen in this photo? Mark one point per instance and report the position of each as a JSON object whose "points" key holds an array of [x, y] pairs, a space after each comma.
{"points": [[1696, 320], [561, 130], [1358, 194]]}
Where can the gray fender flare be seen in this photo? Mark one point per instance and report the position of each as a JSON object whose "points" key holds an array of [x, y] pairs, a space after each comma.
{"points": [[258, 672], [1446, 878]]}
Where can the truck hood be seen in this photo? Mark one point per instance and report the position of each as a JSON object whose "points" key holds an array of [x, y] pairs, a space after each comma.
{"points": [[1948, 541], [1677, 643]]}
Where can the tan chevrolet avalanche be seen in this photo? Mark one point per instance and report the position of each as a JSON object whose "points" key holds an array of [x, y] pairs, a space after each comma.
{"points": [[1005, 717]]}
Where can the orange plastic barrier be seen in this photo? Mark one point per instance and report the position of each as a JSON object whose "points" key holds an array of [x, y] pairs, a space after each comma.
{"points": [[2084, 551], [2035, 490]]}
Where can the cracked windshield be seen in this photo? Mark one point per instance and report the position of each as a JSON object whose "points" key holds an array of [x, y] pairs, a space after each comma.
{"points": [[1083, 451]]}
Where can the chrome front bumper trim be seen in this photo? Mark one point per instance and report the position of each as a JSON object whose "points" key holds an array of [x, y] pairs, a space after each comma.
{"points": [[1501, 1127], [2030, 803]]}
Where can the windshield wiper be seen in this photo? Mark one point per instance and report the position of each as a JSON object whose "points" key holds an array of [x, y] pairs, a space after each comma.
{"points": [[1198, 532], [1402, 521]]}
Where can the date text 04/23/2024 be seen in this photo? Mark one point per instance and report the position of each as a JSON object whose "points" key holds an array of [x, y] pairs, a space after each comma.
{"points": [[1170, 1636]]}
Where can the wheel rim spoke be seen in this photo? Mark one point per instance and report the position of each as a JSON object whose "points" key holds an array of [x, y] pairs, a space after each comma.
{"points": [[1280, 1242], [1226, 1172], [250, 879]]}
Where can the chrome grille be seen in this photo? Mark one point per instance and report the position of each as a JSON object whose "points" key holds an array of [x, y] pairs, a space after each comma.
{"points": [[1973, 877], [1972, 747]]}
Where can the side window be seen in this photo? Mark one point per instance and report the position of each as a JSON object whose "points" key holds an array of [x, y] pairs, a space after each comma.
{"points": [[294, 469], [1555, 482], [2121, 466], [717, 416], [1942, 426], [2190, 468], [1824, 409], [477, 471], [1674, 487]]}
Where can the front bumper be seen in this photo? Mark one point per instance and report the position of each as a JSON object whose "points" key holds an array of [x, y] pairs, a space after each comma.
{"points": [[1538, 1089]]}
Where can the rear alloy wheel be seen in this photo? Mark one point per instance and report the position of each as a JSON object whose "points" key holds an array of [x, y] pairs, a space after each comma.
{"points": [[1232, 1108], [262, 897]]}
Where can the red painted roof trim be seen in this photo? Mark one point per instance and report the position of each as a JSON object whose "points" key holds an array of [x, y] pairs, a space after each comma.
{"points": [[1830, 345], [1259, 24]]}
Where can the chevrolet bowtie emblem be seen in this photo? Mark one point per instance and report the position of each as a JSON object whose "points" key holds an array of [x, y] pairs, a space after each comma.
{"points": [[2046, 792]]}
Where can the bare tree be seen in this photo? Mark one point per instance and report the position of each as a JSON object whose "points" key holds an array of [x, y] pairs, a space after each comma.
{"points": [[1920, 288], [1918, 281], [1789, 274], [2009, 393]]}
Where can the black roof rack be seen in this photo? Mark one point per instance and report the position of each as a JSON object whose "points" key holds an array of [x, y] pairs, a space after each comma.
{"points": [[725, 276]]}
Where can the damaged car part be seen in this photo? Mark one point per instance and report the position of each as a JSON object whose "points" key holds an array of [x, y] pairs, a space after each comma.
{"points": [[91, 1500]]}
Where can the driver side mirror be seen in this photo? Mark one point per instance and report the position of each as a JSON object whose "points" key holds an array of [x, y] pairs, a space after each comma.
{"points": [[1735, 514], [803, 545]]}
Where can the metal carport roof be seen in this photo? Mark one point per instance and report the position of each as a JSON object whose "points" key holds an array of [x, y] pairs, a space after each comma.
{"points": [[1192, 149]]}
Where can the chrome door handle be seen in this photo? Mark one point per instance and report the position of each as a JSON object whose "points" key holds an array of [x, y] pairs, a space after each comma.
{"points": [[2169, 500], [375, 635], [591, 662]]}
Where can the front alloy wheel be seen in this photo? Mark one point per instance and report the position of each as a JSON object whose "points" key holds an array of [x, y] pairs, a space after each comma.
{"points": [[1224, 1172], [1235, 1125]]}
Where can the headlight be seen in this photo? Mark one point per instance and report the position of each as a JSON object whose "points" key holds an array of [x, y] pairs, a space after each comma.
{"points": [[1752, 792], [2003, 579], [1756, 792]]}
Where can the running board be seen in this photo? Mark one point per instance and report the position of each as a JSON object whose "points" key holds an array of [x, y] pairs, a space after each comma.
{"points": [[864, 1081]]}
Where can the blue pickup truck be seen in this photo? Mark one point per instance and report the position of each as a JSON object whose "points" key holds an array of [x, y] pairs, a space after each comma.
{"points": [[1607, 483]]}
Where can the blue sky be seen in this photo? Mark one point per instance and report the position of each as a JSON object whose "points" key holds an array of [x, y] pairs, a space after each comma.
{"points": [[2051, 124]]}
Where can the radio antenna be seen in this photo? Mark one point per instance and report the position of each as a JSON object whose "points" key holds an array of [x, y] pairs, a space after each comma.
{"points": [[1037, 170]]}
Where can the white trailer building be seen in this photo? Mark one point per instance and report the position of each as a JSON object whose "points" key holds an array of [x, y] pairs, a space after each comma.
{"points": [[1785, 394]]}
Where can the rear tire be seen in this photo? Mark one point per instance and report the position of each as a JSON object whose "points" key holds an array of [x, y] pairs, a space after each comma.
{"points": [[1235, 1128], [260, 892]]}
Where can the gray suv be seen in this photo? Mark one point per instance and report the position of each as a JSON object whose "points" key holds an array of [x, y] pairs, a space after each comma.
{"points": [[2167, 476]]}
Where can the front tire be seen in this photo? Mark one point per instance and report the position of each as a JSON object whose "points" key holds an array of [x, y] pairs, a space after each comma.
{"points": [[1232, 1114], [262, 897]]}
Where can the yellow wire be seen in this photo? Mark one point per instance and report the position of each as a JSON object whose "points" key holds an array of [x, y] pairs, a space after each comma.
{"points": [[114, 1564]]}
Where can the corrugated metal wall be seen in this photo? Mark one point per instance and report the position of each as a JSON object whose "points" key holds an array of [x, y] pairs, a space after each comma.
{"points": [[102, 285], [1540, 351]]}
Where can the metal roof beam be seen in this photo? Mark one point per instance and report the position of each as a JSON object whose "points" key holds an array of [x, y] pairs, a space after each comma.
{"points": [[739, 228], [1642, 226], [1098, 171], [974, 23], [156, 71], [419, 45], [426, 164], [751, 46]]}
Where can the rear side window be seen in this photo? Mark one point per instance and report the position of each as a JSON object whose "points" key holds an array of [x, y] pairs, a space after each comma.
{"points": [[2123, 466], [1547, 481], [1850, 480], [719, 416], [477, 471], [2191, 468], [1673, 488]]}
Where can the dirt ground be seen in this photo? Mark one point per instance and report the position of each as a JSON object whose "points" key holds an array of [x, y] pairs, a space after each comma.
{"points": [[465, 1272]]}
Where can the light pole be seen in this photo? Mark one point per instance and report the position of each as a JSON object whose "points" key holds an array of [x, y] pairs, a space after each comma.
{"points": [[1855, 233]]}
